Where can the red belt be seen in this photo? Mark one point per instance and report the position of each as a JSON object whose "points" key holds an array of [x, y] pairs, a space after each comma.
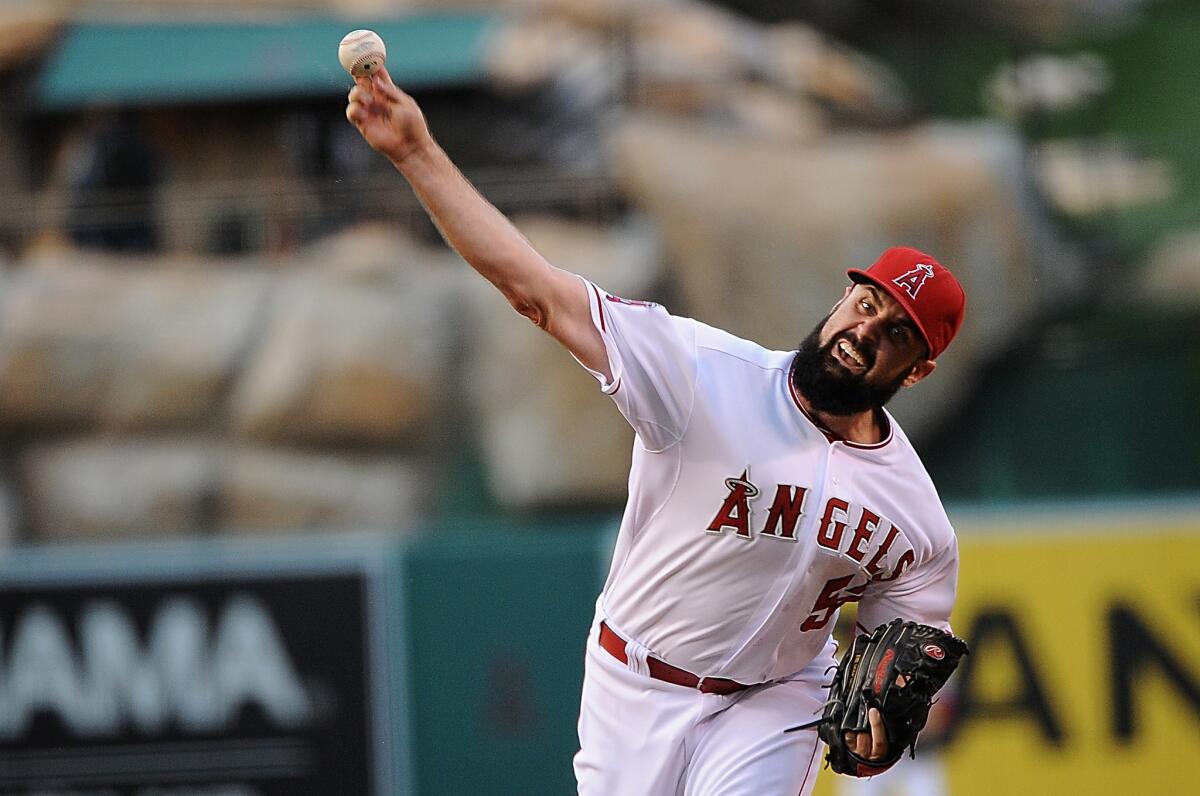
{"points": [[661, 670]]}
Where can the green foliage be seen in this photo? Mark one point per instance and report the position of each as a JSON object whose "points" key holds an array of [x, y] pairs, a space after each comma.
{"points": [[1152, 104]]}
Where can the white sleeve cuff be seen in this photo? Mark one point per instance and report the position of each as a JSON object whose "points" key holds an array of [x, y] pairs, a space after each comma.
{"points": [[601, 322]]}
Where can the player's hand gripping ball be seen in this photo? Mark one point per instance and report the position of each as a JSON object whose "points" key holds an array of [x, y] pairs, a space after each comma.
{"points": [[362, 53]]}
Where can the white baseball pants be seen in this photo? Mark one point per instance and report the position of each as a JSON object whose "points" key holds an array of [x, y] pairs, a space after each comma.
{"points": [[642, 737]]}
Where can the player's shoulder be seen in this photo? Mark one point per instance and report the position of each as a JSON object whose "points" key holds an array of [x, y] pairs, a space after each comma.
{"points": [[720, 343], [901, 447], [610, 305], [634, 317], [708, 340], [613, 301], [915, 483]]}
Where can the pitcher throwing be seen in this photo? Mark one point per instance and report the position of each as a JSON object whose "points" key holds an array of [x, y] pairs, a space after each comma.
{"points": [[767, 489]]}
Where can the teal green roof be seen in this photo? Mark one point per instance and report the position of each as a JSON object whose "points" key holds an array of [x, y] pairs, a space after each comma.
{"points": [[134, 63]]}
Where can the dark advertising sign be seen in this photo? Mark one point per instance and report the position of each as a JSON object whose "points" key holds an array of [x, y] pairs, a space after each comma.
{"points": [[242, 676]]}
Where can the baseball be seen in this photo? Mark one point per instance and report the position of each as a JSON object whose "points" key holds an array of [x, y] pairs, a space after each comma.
{"points": [[362, 52]]}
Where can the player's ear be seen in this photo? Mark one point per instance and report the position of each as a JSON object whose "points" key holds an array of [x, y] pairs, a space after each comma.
{"points": [[918, 372]]}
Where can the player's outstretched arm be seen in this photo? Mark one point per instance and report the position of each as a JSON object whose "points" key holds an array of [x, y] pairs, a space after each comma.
{"points": [[557, 301]]}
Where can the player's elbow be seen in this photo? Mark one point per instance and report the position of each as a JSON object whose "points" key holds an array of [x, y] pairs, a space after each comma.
{"points": [[532, 310], [546, 296], [526, 304]]}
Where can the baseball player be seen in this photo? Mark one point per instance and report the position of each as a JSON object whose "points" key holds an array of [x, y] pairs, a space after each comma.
{"points": [[766, 490]]}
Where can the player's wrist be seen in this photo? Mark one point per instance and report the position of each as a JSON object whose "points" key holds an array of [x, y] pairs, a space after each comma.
{"points": [[415, 157]]}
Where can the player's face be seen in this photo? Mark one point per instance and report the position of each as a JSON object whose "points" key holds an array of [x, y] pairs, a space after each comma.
{"points": [[865, 350]]}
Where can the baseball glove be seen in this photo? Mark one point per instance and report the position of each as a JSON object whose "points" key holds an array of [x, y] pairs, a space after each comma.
{"points": [[897, 669]]}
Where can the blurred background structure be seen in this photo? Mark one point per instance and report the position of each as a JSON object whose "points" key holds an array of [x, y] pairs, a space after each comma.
{"points": [[246, 392]]}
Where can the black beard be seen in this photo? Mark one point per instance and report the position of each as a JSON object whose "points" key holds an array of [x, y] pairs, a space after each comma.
{"points": [[829, 387]]}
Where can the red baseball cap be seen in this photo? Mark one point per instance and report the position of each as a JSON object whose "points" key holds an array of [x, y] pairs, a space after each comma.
{"points": [[926, 290]]}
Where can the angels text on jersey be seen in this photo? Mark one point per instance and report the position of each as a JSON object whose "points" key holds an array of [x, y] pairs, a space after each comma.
{"points": [[857, 534]]}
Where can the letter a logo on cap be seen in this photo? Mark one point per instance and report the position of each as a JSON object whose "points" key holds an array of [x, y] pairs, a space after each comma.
{"points": [[912, 281], [904, 273]]}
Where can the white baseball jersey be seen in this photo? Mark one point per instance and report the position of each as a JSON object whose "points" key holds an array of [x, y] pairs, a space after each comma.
{"points": [[747, 527]]}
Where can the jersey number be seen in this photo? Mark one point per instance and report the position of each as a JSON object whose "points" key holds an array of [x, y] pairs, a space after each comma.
{"points": [[833, 596]]}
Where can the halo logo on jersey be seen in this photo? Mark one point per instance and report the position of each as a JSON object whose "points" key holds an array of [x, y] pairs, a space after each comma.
{"points": [[735, 510], [782, 517], [912, 281]]}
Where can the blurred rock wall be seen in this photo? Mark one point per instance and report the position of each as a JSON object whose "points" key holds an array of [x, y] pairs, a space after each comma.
{"points": [[175, 396], [766, 257], [167, 396]]}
